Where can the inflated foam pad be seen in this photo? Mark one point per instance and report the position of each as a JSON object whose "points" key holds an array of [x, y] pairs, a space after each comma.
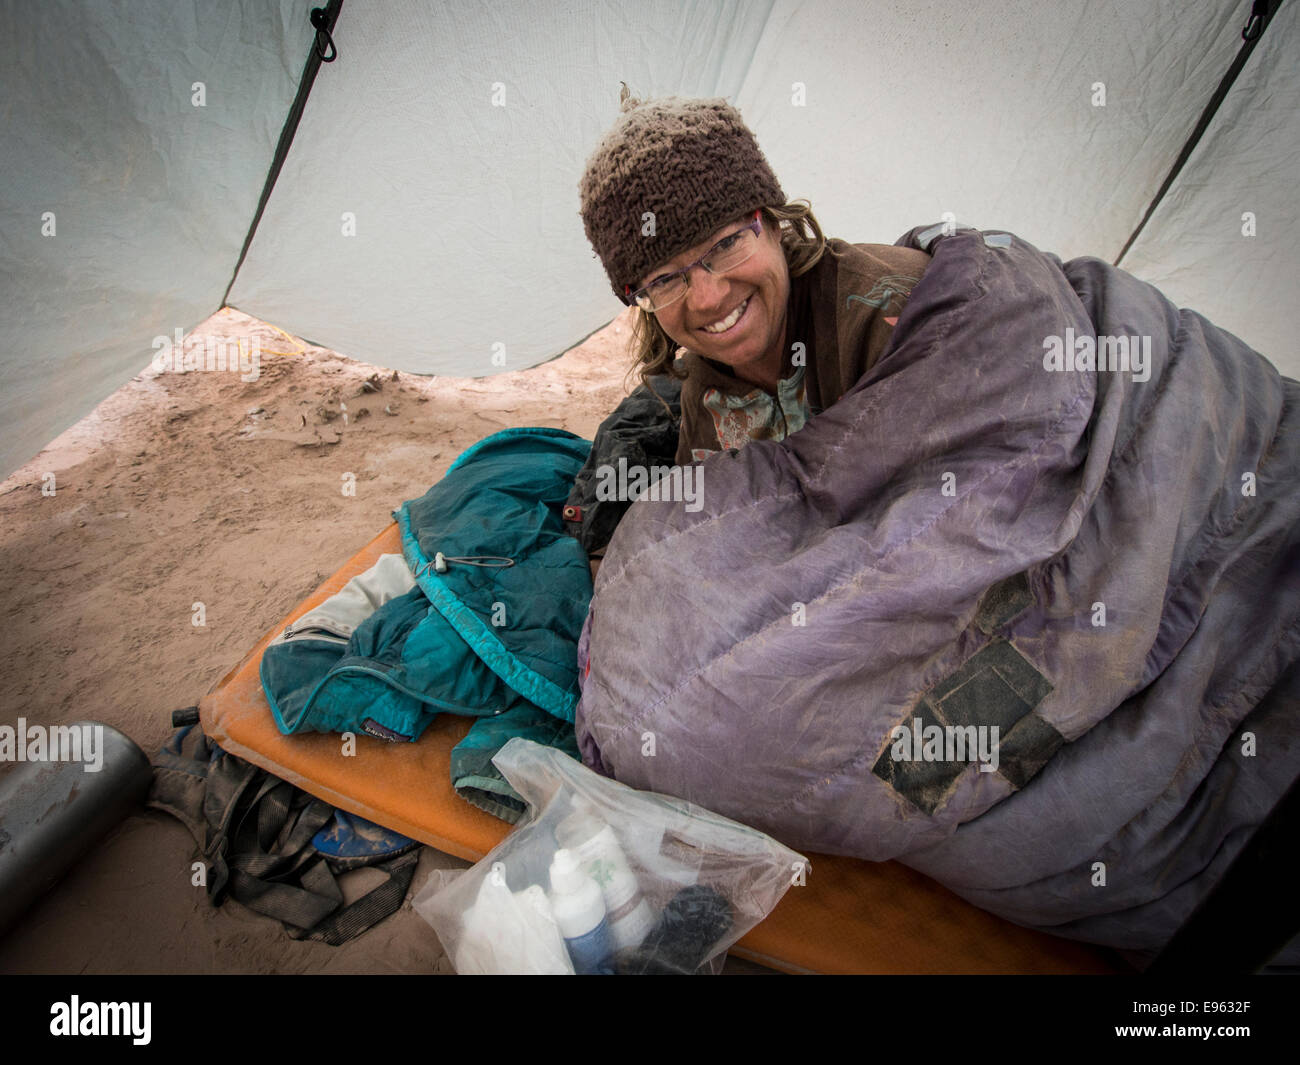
{"points": [[850, 917]]}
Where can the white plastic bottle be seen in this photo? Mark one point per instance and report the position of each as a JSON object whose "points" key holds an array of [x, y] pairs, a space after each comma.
{"points": [[548, 954], [579, 911], [600, 856]]}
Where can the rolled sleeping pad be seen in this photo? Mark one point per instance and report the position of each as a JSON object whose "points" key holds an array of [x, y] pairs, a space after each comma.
{"points": [[52, 812]]}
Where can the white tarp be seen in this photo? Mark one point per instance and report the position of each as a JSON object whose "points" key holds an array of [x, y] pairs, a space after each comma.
{"points": [[1242, 176], [123, 206], [987, 111], [427, 215]]}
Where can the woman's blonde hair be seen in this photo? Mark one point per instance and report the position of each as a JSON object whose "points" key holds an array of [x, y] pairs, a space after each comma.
{"points": [[802, 242]]}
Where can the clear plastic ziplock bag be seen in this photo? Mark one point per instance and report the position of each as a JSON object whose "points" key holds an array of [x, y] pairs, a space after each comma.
{"points": [[601, 878]]}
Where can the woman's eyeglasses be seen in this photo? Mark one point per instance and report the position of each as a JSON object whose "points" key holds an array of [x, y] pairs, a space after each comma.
{"points": [[726, 255]]}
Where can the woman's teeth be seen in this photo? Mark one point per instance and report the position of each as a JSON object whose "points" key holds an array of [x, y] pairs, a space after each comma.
{"points": [[729, 321]]}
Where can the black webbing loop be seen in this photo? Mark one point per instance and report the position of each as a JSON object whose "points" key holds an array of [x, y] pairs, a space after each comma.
{"points": [[321, 20], [1255, 26]]}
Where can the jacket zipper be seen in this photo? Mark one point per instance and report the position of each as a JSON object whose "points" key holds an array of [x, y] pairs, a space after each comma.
{"points": [[317, 632]]}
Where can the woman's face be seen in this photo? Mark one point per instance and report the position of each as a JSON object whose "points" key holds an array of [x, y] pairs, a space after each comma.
{"points": [[752, 346]]}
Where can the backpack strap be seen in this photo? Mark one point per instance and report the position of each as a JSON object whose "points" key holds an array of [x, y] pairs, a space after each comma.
{"points": [[256, 832]]}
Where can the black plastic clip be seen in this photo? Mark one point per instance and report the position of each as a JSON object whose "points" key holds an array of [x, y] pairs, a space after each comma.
{"points": [[320, 19], [1255, 25]]}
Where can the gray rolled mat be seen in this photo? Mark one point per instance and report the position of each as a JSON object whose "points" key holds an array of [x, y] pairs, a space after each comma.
{"points": [[71, 785]]}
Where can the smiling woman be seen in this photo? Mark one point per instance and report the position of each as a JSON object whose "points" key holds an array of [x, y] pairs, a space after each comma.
{"points": [[733, 310], [656, 338], [737, 291], [938, 446]]}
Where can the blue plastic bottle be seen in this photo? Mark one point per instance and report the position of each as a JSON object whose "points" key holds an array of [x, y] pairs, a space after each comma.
{"points": [[578, 906]]}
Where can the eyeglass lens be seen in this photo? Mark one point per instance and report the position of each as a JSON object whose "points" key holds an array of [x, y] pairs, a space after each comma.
{"points": [[728, 254]]}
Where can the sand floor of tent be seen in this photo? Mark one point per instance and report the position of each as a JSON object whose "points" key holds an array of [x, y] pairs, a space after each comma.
{"points": [[850, 916]]}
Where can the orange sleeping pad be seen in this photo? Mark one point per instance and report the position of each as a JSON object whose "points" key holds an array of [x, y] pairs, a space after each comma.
{"points": [[850, 917]]}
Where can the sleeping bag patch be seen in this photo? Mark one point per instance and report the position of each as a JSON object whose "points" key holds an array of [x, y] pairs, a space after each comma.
{"points": [[982, 713]]}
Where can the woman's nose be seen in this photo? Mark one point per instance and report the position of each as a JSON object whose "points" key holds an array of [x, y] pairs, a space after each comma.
{"points": [[706, 290]]}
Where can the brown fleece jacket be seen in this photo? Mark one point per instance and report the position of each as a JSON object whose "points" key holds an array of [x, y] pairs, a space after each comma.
{"points": [[840, 310]]}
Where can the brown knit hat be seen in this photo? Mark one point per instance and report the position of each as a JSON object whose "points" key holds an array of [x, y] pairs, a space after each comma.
{"points": [[693, 164]]}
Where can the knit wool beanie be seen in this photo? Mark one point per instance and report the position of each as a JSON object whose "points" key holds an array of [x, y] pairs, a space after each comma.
{"points": [[691, 164]]}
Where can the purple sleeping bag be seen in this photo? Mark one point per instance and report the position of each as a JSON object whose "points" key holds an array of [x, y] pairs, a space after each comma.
{"points": [[1027, 625]]}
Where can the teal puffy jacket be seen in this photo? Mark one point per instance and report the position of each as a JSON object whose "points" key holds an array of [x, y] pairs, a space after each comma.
{"points": [[489, 629]]}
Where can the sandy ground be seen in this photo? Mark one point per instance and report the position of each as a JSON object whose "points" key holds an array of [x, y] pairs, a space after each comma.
{"points": [[198, 487]]}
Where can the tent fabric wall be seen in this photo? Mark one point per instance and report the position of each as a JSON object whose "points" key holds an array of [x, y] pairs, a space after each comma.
{"points": [[151, 195], [469, 256], [986, 111], [1194, 247], [467, 243]]}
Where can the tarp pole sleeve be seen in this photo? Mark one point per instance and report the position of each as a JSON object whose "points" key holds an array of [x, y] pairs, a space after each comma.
{"points": [[323, 19], [1261, 13]]}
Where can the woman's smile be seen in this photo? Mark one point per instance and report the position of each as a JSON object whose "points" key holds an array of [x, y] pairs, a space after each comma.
{"points": [[730, 322]]}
